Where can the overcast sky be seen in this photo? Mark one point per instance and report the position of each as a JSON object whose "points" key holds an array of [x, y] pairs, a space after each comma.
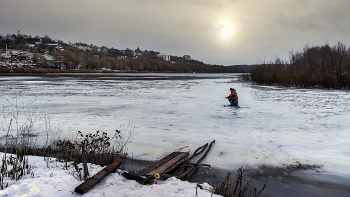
{"points": [[222, 32]]}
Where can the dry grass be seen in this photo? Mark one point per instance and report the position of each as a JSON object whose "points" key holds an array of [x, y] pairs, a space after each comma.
{"points": [[239, 187], [287, 169]]}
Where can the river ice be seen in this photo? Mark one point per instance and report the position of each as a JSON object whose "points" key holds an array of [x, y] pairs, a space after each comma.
{"points": [[274, 126]]}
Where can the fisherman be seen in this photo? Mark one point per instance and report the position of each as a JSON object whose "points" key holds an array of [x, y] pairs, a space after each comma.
{"points": [[233, 97]]}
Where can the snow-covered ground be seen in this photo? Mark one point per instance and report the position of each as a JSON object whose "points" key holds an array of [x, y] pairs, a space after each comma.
{"points": [[50, 178], [274, 126]]}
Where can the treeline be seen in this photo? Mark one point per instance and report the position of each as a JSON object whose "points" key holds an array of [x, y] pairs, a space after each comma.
{"points": [[112, 59], [81, 56], [317, 66]]}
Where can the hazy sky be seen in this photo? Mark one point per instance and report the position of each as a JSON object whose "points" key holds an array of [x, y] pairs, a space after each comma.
{"points": [[213, 31]]}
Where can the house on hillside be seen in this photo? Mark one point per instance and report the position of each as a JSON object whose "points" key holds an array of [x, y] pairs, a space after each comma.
{"points": [[137, 52], [48, 57], [120, 57], [187, 57], [7, 37], [164, 56], [5, 56], [37, 44], [55, 45], [153, 54]]}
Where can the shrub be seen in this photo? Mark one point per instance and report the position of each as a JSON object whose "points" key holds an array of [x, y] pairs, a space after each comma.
{"points": [[318, 66], [97, 148], [18, 139]]}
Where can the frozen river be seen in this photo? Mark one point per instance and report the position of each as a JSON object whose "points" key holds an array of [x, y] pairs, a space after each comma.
{"points": [[274, 126]]}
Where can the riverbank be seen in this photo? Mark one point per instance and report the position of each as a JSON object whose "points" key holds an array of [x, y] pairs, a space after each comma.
{"points": [[51, 178], [278, 182]]}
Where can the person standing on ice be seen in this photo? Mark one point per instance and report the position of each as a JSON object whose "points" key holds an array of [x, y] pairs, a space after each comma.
{"points": [[233, 97]]}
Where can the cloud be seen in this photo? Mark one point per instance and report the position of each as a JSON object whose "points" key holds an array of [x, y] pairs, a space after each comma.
{"points": [[262, 28]]}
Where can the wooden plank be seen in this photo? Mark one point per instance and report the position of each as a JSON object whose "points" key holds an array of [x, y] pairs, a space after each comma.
{"points": [[168, 164], [156, 164], [91, 182], [139, 179]]}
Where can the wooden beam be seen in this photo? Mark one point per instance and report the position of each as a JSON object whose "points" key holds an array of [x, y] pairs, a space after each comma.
{"points": [[168, 164], [91, 182], [154, 165], [163, 164]]}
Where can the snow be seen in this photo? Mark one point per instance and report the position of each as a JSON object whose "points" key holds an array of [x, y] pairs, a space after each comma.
{"points": [[274, 126], [49, 178]]}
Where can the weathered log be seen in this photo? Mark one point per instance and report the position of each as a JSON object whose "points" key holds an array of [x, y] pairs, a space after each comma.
{"points": [[91, 182], [139, 179]]}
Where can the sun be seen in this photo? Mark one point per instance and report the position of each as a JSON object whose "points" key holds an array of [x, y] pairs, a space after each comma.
{"points": [[226, 30]]}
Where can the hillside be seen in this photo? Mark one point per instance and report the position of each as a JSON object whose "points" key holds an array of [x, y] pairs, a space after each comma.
{"points": [[21, 51]]}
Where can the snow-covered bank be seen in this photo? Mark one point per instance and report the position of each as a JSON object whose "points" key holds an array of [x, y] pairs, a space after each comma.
{"points": [[51, 179]]}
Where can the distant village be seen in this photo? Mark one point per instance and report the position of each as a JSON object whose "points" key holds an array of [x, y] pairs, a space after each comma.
{"points": [[20, 51]]}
